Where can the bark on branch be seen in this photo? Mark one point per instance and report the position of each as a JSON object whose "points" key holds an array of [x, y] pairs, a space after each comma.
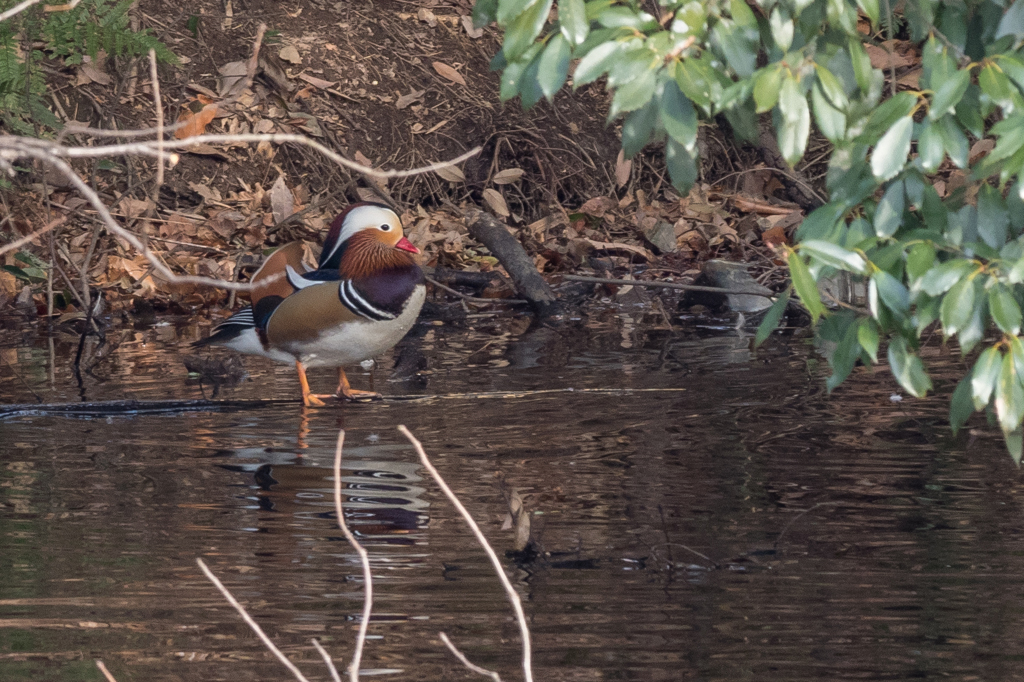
{"points": [[487, 230]]}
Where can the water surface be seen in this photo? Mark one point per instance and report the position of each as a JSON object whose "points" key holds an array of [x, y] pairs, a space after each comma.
{"points": [[717, 517]]}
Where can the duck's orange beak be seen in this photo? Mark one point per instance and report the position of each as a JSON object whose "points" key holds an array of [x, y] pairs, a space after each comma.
{"points": [[406, 245]]}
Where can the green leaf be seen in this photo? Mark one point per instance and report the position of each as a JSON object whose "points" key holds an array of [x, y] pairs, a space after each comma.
{"points": [[634, 94], [1004, 309], [1012, 23], [930, 149], [957, 306], [954, 140], [890, 153], [681, 166], [891, 292], [908, 369], [796, 121], [870, 9], [831, 121], [524, 29], [920, 260], [948, 94], [993, 216], [984, 377], [636, 129], [835, 255], [677, 115], [1015, 444], [889, 212], [961, 407], [805, 286], [597, 62], [484, 12], [996, 86], [510, 9], [767, 83], [732, 42], [572, 16], [771, 319], [695, 79], [1009, 396], [553, 66], [939, 280], [867, 336], [782, 28], [861, 64]]}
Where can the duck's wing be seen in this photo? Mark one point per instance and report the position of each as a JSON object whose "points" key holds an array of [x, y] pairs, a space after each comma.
{"points": [[272, 279], [230, 329]]}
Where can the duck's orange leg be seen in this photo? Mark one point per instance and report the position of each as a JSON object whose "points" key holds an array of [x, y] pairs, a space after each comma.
{"points": [[346, 391], [308, 399]]}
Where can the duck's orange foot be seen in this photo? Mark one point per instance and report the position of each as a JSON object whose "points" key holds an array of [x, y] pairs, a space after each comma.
{"points": [[310, 400], [357, 395]]}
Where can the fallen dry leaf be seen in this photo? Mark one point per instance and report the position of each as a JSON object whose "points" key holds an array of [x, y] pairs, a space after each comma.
{"points": [[425, 15], [290, 54], [451, 174], [508, 176], [623, 169], [281, 200], [232, 75], [196, 115], [406, 100], [471, 31], [979, 149], [449, 73], [317, 82], [880, 58], [496, 202], [619, 246], [598, 206], [759, 207]]}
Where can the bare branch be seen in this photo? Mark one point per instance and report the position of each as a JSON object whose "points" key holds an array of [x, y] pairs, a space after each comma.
{"points": [[26, 239], [466, 662], [327, 660], [12, 147], [364, 558], [154, 82], [513, 596], [251, 623], [103, 669]]}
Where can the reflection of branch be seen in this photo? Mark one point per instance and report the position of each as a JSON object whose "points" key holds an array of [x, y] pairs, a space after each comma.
{"points": [[465, 661], [251, 623], [364, 558], [103, 669], [513, 596]]}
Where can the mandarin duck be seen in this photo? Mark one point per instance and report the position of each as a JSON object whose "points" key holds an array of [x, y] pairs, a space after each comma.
{"points": [[361, 299]]}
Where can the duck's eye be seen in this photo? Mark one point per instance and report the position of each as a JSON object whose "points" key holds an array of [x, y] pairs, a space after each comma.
{"points": [[385, 228]]}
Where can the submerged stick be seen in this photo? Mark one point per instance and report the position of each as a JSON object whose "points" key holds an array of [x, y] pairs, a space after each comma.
{"points": [[364, 559], [465, 661], [669, 285], [513, 596], [251, 623], [103, 669]]}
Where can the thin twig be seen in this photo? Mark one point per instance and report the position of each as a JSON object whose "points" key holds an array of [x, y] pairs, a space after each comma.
{"points": [[327, 660], [475, 299], [513, 596], [364, 558], [26, 239], [466, 662], [103, 669], [28, 3], [669, 285], [800, 516], [251, 623]]}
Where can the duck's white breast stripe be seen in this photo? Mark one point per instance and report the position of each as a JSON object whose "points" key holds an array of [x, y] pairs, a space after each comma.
{"points": [[350, 297]]}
